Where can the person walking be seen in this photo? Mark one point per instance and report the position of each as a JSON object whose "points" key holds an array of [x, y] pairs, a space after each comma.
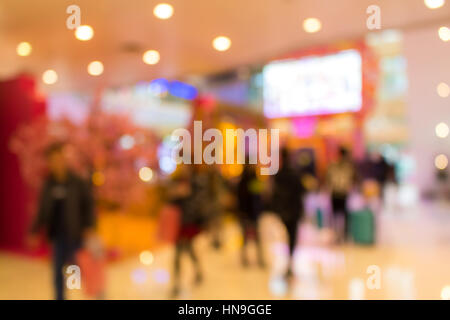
{"points": [[65, 213]]}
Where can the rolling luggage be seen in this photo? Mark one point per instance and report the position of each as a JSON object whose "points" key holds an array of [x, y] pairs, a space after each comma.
{"points": [[362, 226]]}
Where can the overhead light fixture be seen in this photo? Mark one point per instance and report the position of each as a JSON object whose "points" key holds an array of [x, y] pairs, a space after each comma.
{"points": [[50, 76], [24, 49], [151, 57], [84, 33], [163, 11], [95, 68], [434, 4], [221, 43], [312, 25]]}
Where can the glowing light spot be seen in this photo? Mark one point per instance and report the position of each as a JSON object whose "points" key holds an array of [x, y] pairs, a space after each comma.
{"points": [[443, 90], [84, 33], [146, 257], [444, 34], [445, 293], [442, 130], [126, 142], [145, 174], [161, 276], [24, 49], [151, 57], [50, 76], [139, 276], [434, 4], [441, 161], [167, 164], [95, 68], [312, 25], [163, 11], [221, 43]]}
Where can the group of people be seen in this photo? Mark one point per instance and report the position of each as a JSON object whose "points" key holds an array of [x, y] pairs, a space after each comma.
{"points": [[201, 195]]}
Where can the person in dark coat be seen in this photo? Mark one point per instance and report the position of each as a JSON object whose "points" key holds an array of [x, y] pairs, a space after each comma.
{"points": [[65, 213], [190, 192], [287, 201], [250, 207]]}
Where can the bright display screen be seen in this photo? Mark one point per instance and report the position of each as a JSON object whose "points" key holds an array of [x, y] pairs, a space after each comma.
{"points": [[313, 85]]}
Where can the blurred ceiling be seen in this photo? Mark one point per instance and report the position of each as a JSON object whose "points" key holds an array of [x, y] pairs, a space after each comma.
{"points": [[124, 29]]}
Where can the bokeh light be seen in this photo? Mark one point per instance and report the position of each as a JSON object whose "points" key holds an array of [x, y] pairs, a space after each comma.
{"points": [[145, 174], [444, 34], [443, 90], [221, 43], [24, 49], [146, 257], [434, 4], [84, 33], [445, 293], [442, 130], [163, 11], [312, 25], [95, 68], [50, 76], [126, 142], [151, 57], [441, 161], [139, 276]]}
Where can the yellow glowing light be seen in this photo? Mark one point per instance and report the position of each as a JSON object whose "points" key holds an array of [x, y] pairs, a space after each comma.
{"points": [[312, 25], [84, 33], [163, 11], [445, 293], [95, 68], [50, 76], [24, 49], [444, 34], [434, 4], [145, 174], [146, 257], [221, 43], [441, 161], [98, 178], [443, 90], [151, 57], [442, 130]]}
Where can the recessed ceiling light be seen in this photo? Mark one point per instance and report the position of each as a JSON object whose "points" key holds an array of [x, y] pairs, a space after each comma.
{"points": [[50, 76], [95, 68], [163, 11], [222, 43], [434, 4], [84, 33], [151, 57], [312, 25], [23, 49]]}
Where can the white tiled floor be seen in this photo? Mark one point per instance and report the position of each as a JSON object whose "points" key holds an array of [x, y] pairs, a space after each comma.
{"points": [[413, 254]]}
